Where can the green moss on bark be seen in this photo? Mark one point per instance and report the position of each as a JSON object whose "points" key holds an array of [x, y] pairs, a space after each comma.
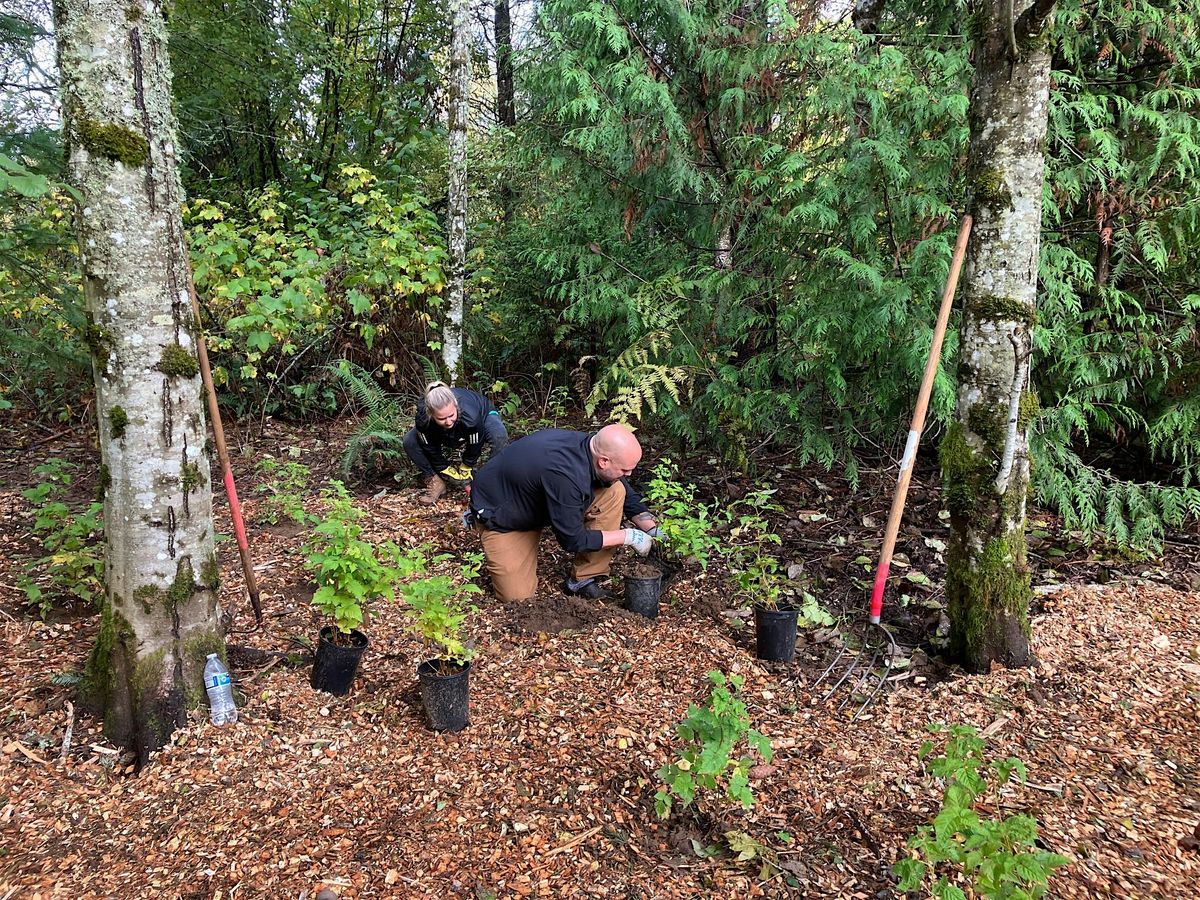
{"points": [[115, 142], [147, 595], [990, 424], [177, 362], [1002, 309], [98, 342], [966, 472], [118, 420], [115, 636], [147, 675], [1028, 411], [191, 477], [984, 592], [183, 586], [210, 573], [991, 190]]}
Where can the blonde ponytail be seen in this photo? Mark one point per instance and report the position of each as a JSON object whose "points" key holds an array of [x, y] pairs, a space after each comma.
{"points": [[438, 396]]}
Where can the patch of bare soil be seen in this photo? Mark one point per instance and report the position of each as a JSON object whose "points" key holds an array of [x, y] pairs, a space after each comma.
{"points": [[557, 613], [549, 791]]}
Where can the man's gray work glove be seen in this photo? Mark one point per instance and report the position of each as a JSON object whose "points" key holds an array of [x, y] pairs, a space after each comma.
{"points": [[638, 540]]}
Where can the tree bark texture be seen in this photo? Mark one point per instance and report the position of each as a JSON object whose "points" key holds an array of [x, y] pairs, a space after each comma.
{"points": [[160, 617], [506, 108], [985, 454], [460, 85]]}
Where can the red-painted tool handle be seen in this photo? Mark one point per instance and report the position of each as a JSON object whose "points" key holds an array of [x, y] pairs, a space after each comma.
{"points": [[235, 511], [881, 577]]}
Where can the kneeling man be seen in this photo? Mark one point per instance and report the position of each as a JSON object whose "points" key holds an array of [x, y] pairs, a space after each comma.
{"points": [[572, 481]]}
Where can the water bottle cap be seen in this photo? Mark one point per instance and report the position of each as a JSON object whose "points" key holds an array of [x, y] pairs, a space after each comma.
{"points": [[212, 656]]}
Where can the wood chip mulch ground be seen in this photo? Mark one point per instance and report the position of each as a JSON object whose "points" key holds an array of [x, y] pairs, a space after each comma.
{"points": [[549, 792]]}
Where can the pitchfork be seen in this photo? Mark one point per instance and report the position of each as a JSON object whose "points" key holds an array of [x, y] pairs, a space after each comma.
{"points": [[878, 642]]}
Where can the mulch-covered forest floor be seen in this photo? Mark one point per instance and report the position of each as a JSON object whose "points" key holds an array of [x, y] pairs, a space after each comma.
{"points": [[549, 792]]}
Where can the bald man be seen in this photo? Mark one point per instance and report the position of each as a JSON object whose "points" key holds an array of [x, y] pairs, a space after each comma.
{"points": [[574, 482]]}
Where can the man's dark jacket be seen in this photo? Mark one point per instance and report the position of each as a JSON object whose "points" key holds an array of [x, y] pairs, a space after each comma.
{"points": [[547, 478]]}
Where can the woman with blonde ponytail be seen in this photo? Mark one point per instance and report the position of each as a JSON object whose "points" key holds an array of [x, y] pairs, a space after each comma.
{"points": [[451, 422]]}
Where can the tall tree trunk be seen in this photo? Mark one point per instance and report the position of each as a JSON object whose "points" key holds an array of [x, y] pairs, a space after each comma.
{"points": [[985, 455], [160, 616], [460, 85], [506, 108]]}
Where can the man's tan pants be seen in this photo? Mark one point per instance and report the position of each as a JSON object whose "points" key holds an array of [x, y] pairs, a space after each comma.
{"points": [[512, 555]]}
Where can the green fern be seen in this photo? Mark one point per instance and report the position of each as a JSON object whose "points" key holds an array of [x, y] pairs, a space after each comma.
{"points": [[636, 377], [379, 438]]}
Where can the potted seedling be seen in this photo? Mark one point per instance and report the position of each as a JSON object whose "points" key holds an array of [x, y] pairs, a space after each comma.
{"points": [[437, 607], [350, 575], [778, 601], [684, 539]]}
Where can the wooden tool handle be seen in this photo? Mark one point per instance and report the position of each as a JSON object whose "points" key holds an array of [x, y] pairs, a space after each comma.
{"points": [[918, 421]]}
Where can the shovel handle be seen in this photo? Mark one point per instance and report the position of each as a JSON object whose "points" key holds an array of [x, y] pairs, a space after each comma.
{"points": [[918, 421], [214, 418]]}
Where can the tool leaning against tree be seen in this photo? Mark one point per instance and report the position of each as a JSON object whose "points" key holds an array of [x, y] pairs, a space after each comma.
{"points": [[878, 643]]}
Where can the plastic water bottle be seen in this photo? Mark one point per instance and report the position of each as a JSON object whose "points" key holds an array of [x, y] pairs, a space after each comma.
{"points": [[222, 709]]}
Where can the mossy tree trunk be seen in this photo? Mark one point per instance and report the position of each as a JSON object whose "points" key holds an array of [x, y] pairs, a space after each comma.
{"points": [[985, 454], [160, 617], [460, 86]]}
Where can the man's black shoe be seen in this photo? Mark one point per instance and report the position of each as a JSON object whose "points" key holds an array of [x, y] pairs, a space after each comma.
{"points": [[588, 589]]}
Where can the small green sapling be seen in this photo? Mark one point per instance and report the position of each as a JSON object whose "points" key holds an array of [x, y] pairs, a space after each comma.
{"points": [[717, 740]]}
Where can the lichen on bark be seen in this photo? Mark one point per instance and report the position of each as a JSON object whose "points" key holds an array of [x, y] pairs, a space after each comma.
{"points": [[118, 421]]}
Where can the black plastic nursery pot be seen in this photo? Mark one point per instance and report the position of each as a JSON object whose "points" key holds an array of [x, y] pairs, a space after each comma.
{"points": [[445, 691], [670, 570], [642, 593], [775, 633], [336, 664]]}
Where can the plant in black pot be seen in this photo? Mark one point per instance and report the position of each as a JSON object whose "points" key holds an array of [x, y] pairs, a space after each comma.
{"points": [[437, 607], [781, 604], [684, 539], [350, 575]]}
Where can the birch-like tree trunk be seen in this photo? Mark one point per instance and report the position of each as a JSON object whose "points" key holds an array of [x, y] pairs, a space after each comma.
{"points": [[985, 454], [460, 86], [160, 616]]}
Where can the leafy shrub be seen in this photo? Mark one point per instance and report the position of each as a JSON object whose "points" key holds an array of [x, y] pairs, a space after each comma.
{"points": [[686, 523], [283, 489], [438, 606], [73, 564], [298, 278], [44, 328], [992, 857], [714, 735], [351, 573]]}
